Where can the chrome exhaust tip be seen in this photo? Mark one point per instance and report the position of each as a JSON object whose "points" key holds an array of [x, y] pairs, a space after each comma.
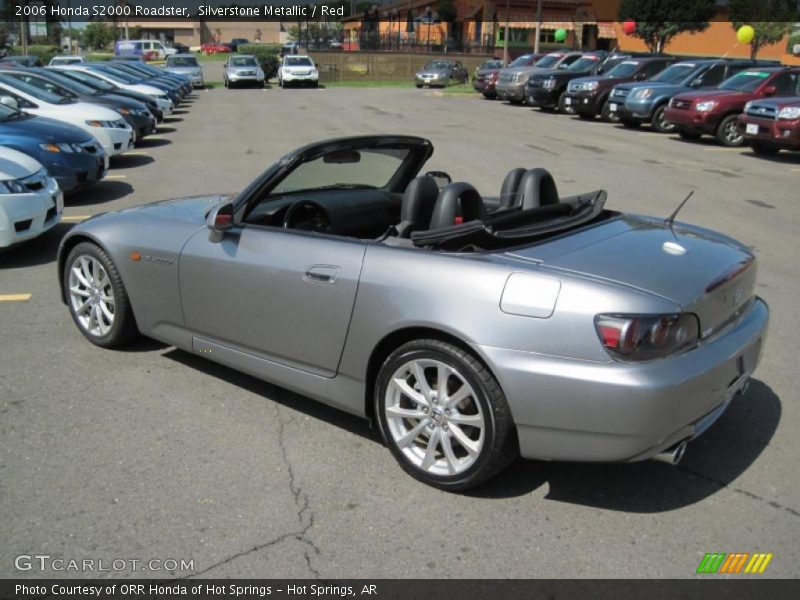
{"points": [[673, 454]]}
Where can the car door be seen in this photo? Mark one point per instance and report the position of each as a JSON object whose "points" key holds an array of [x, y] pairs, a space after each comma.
{"points": [[281, 295]]}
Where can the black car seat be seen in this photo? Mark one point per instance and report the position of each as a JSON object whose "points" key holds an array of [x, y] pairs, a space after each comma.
{"points": [[457, 203], [416, 209], [538, 188], [509, 191]]}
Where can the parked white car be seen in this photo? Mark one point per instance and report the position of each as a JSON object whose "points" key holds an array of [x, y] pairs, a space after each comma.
{"points": [[30, 200], [66, 59], [298, 69], [142, 88], [106, 125]]}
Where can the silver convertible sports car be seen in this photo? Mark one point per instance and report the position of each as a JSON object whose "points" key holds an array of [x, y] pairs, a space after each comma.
{"points": [[470, 329]]}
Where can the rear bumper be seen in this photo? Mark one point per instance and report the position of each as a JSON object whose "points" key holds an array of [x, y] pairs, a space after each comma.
{"points": [[567, 409], [782, 133]]}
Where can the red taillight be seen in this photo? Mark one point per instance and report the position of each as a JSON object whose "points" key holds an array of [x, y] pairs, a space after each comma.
{"points": [[647, 337], [610, 335]]}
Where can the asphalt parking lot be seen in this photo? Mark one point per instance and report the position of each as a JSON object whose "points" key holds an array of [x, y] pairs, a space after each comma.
{"points": [[155, 453]]}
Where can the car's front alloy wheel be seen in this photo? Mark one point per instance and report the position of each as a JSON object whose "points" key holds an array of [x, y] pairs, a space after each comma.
{"points": [[443, 415], [96, 297]]}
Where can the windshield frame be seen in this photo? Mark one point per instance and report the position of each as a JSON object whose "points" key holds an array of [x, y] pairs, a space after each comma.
{"points": [[34, 92]]}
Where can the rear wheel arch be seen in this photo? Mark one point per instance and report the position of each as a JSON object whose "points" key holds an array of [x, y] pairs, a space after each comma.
{"points": [[392, 342]]}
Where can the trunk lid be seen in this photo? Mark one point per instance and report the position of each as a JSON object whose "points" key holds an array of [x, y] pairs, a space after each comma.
{"points": [[704, 272]]}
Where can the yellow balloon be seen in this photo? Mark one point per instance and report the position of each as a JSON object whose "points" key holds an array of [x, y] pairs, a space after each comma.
{"points": [[745, 34]]}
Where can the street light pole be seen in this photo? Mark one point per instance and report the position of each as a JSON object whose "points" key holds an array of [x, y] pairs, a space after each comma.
{"points": [[538, 26], [505, 34]]}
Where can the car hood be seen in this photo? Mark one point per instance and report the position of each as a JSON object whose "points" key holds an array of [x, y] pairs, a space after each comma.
{"points": [[192, 209], [701, 271], [712, 94], [14, 164], [659, 86], [45, 130]]}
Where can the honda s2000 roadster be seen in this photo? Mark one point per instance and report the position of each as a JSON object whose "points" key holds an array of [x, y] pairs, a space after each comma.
{"points": [[470, 329]]}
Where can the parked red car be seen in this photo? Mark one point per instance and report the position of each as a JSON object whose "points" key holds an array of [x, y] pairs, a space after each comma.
{"points": [[771, 125], [214, 48], [716, 112]]}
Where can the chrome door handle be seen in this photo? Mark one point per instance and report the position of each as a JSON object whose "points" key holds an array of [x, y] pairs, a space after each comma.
{"points": [[322, 274]]}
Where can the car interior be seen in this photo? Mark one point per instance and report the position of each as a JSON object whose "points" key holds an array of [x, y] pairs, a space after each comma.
{"points": [[430, 212]]}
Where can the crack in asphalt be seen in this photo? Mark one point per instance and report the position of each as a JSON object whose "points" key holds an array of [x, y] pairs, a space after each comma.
{"points": [[305, 515], [751, 495]]}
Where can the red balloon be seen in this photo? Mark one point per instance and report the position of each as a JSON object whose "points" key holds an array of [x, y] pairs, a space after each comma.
{"points": [[629, 27]]}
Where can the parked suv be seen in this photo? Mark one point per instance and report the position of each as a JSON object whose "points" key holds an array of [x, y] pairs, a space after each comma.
{"points": [[716, 112], [638, 103], [548, 89], [512, 80], [589, 95], [486, 79], [771, 125]]}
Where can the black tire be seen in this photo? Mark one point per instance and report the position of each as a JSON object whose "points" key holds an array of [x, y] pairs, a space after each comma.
{"points": [[765, 148], [489, 95], [419, 86], [562, 105], [728, 133], [123, 329], [630, 124], [659, 123], [606, 114], [587, 116], [499, 445], [315, 85], [225, 82], [688, 135]]}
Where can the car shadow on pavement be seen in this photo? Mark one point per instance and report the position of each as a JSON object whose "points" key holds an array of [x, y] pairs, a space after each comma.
{"points": [[273, 393], [786, 158], [712, 463], [162, 129], [152, 143], [105, 191], [130, 161], [38, 251]]}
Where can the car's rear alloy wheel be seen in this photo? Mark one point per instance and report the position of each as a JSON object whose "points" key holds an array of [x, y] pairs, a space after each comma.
{"points": [[97, 298], [728, 133], [443, 415]]}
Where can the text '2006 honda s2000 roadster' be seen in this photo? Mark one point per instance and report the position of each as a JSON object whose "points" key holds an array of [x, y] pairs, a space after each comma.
{"points": [[470, 329]]}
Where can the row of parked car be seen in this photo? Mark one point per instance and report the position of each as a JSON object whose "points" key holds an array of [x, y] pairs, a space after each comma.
{"points": [[736, 101], [60, 125]]}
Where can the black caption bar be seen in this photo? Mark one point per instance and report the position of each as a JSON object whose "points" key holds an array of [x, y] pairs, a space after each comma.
{"points": [[405, 589]]}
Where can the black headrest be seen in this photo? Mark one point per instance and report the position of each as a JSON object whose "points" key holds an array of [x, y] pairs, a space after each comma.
{"points": [[457, 203], [538, 188], [418, 202], [509, 192]]}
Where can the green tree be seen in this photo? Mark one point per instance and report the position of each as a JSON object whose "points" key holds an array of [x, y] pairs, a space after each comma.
{"points": [[658, 21], [97, 35], [782, 15]]}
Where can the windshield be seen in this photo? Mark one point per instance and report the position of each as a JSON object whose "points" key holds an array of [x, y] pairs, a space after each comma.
{"points": [[66, 60], [584, 63], [675, 73], [548, 61], [128, 70], [68, 83], [41, 83], [521, 61], [6, 112], [436, 65], [116, 76], [34, 92], [297, 61], [88, 79], [243, 61], [746, 81], [181, 61], [492, 64], [345, 169], [624, 69]]}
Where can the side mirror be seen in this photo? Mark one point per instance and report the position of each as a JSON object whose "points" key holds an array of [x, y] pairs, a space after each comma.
{"points": [[770, 90], [219, 220], [696, 83], [9, 101], [442, 178], [640, 76]]}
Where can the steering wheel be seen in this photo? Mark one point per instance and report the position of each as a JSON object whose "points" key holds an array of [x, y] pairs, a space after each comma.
{"points": [[308, 216]]}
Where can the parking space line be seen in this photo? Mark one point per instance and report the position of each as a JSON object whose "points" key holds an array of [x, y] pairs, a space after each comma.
{"points": [[652, 133], [74, 218], [15, 297], [137, 153], [796, 170], [722, 149], [116, 176]]}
